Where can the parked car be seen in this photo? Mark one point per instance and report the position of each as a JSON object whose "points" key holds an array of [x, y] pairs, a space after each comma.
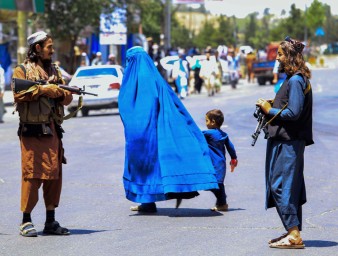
{"points": [[104, 80], [332, 48]]}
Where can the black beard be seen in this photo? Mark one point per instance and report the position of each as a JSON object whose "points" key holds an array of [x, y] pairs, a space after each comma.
{"points": [[47, 63], [281, 68]]}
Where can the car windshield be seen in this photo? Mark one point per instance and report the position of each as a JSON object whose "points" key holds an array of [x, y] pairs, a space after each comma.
{"points": [[97, 72]]}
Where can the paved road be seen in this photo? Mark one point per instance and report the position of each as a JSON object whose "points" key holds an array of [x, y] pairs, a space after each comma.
{"points": [[94, 207]]}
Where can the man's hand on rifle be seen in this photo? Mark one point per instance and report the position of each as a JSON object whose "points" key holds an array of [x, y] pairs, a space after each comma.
{"points": [[51, 91], [265, 105]]}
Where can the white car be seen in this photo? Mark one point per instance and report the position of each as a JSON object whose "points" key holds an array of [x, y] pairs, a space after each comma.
{"points": [[104, 80]]}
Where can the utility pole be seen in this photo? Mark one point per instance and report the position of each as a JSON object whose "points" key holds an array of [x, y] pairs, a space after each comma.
{"points": [[22, 35], [167, 25], [305, 27]]}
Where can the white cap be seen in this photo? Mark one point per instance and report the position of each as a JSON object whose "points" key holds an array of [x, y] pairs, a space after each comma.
{"points": [[36, 37], [98, 54], [181, 51]]}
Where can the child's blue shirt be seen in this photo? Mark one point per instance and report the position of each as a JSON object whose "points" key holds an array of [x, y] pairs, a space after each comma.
{"points": [[219, 142]]}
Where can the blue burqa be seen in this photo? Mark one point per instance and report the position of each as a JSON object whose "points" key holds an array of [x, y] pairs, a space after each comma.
{"points": [[165, 152]]}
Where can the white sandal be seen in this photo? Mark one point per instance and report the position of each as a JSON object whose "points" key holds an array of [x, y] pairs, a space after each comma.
{"points": [[28, 230]]}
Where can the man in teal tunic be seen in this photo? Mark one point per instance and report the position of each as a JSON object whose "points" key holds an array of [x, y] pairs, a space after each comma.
{"points": [[288, 134]]}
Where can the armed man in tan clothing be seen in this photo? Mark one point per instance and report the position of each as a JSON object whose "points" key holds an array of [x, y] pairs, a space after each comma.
{"points": [[41, 109]]}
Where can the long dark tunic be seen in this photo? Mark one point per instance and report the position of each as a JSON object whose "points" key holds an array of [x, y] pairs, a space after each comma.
{"points": [[285, 186]]}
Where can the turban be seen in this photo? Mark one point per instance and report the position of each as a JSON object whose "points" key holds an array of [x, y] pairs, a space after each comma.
{"points": [[296, 45], [36, 37]]}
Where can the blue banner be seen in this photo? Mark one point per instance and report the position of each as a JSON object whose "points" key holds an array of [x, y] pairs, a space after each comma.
{"points": [[5, 58]]}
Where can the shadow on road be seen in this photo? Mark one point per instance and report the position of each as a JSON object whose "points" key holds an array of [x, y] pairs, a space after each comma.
{"points": [[319, 243], [81, 231], [185, 212]]}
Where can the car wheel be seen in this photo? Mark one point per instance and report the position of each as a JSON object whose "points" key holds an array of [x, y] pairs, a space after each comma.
{"points": [[261, 81], [85, 112]]}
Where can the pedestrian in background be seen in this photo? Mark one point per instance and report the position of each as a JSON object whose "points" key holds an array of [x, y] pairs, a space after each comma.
{"points": [[219, 73], [288, 134], [40, 112], [250, 59], [198, 81], [242, 63], [166, 155], [219, 142], [180, 74], [97, 60], [2, 92], [111, 59], [209, 72]]}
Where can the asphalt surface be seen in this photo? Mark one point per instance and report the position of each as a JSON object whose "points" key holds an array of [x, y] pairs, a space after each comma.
{"points": [[94, 208]]}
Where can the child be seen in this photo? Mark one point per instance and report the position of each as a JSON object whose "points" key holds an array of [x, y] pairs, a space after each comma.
{"points": [[218, 141]]}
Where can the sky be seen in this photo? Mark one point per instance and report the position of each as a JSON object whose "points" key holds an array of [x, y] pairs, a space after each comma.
{"points": [[241, 8]]}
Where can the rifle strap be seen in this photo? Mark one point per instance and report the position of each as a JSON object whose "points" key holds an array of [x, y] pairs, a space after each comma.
{"points": [[59, 119], [73, 113], [23, 69], [278, 113]]}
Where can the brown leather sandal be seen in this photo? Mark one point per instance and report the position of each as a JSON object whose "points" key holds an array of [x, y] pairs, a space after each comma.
{"points": [[274, 240], [288, 242]]}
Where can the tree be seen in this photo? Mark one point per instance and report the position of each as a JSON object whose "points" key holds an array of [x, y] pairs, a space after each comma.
{"points": [[251, 29], [152, 20], [293, 26], [150, 14], [330, 26], [67, 18], [203, 39], [315, 17], [224, 35]]}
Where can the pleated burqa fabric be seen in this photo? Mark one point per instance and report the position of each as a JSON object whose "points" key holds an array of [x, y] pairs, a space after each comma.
{"points": [[166, 154]]}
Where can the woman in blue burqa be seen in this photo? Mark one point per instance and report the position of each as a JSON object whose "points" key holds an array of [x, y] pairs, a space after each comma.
{"points": [[166, 155]]}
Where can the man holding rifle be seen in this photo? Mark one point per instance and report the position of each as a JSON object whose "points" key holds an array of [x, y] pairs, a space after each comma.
{"points": [[41, 110], [288, 134]]}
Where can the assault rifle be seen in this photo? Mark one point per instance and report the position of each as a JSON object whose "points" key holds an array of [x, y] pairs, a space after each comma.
{"points": [[23, 85], [262, 123]]}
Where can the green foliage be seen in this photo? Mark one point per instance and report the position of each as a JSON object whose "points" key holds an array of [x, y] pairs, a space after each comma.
{"points": [[150, 12], [315, 16], [203, 39], [330, 26], [67, 18], [181, 36], [224, 35], [251, 29]]}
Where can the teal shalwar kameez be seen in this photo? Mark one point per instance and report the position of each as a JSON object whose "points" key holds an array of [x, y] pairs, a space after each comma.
{"points": [[288, 136]]}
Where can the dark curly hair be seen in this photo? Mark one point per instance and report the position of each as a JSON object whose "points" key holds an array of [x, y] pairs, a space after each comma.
{"points": [[216, 115], [32, 54], [294, 60]]}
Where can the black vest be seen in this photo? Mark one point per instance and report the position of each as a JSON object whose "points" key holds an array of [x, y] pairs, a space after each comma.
{"points": [[300, 129]]}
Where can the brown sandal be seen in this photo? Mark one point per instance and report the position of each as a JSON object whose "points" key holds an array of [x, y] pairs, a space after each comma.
{"points": [[288, 242], [274, 240]]}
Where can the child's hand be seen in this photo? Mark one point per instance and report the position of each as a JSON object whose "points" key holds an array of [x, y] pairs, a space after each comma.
{"points": [[233, 164]]}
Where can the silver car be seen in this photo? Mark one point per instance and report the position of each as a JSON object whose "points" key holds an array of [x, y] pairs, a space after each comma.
{"points": [[104, 80]]}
